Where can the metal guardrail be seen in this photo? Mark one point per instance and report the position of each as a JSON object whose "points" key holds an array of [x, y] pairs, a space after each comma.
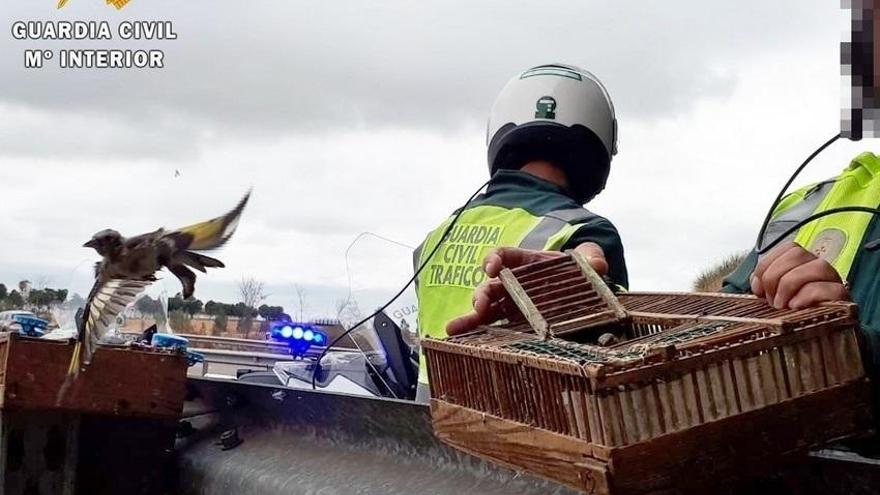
{"points": [[247, 353], [243, 359], [243, 353], [236, 344]]}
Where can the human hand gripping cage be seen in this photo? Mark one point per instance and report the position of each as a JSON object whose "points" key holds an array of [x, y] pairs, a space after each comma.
{"points": [[705, 387]]}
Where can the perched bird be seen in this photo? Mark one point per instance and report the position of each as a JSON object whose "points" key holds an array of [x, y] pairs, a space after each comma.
{"points": [[129, 265]]}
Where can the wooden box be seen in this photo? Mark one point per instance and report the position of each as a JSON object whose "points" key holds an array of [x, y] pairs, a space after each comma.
{"points": [[111, 432], [707, 388], [119, 381]]}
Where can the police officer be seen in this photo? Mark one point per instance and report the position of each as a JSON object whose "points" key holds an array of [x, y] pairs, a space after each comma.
{"points": [[832, 258], [551, 136]]}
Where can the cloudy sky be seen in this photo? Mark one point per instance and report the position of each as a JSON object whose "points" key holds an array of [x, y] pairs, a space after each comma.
{"points": [[349, 117]]}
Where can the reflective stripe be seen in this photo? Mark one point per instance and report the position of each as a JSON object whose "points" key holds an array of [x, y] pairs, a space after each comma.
{"points": [[572, 215], [537, 237], [812, 197], [417, 256], [553, 223]]}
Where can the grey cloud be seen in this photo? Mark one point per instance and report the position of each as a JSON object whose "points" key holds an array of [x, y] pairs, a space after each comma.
{"points": [[276, 67]]}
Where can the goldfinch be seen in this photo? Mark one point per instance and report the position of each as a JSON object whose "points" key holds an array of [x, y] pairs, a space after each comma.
{"points": [[128, 266]]}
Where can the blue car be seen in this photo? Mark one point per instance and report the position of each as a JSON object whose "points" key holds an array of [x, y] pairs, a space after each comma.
{"points": [[23, 322]]}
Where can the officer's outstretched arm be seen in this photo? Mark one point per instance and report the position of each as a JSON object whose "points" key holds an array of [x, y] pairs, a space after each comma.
{"points": [[487, 297]]}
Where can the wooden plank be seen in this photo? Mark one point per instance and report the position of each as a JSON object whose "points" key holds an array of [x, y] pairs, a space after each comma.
{"points": [[805, 367], [829, 357], [642, 413], [852, 355], [608, 420], [579, 407], [768, 380], [596, 432], [550, 455], [683, 417], [743, 386], [690, 399], [580, 323], [729, 387], [570, 415], [119, 381], [521, 300], [791, 370], [818, 363], [629, 416], [669, 420], [654, 411], [779, 372], [616, 418], [698, 360], [755, 385], [707, 406], [599, 285], [702, 459], [716, 385]]}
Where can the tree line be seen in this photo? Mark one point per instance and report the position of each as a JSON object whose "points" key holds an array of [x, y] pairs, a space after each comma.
{"points": [[25, 297], [178, 313]]}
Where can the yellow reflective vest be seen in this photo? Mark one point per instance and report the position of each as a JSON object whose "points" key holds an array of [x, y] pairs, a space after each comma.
{"points": [[517, 210]]}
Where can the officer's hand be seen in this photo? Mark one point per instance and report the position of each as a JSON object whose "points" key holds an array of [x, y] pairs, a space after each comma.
{"points": [[792, 277], [488, 296]]}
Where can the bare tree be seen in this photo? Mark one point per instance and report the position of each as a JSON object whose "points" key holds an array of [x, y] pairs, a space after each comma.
{"points": [[42, 282], [252, 293], [301, 294]]}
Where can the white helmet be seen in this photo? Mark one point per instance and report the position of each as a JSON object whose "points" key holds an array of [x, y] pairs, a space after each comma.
{"points": [[558, 113]]}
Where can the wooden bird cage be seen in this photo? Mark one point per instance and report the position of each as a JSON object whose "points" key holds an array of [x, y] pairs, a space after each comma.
{"points": [[705, 387]]}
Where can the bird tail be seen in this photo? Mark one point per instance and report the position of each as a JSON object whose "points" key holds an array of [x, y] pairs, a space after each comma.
{"points": [[211, 234], [197, 261], [72, 373]]}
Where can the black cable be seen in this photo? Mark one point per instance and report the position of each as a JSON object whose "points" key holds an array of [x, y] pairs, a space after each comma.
{"points": [[401, 291], [761, 249], [816, 216]]}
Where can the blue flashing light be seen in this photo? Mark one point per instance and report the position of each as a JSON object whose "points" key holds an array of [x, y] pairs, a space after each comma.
{"points": [[300, 337]]}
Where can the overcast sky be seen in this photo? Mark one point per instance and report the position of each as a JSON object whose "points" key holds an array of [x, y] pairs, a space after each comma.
{"points": [[351, 116]]}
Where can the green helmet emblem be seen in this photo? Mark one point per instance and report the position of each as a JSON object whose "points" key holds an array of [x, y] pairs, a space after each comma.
{"points": [[546, 108]]}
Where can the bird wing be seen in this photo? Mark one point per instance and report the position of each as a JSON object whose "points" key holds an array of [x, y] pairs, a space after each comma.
{"points": [[211, 234], [108, 299]]}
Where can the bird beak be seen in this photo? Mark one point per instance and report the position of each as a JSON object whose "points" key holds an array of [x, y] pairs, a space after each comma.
{"points": [[90, 244]]}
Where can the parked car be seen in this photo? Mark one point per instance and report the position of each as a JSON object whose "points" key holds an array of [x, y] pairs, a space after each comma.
{"points": [[23, 322]]}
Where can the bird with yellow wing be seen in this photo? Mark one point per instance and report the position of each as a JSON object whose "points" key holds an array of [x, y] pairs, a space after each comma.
{"points": [[129, 265]]}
